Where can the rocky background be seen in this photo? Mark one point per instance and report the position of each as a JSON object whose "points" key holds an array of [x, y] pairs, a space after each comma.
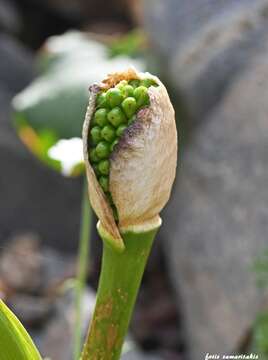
{"points": [[199, 293]]}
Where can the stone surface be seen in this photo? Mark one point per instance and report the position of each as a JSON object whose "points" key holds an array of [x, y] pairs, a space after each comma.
{"points": [[217, 218], [36, 199], [16, 65], [155, 324], [10, 20], [205, 44], [31, 310], [55, 341], [78, 11], [28, 268], [20, 264]]}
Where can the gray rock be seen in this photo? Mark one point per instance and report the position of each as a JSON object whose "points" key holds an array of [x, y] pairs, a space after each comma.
{"points": [[218, 217], [27, 267], [10, 20], [36, 199], [57, 268], [70, 9], [21, 265], [16, 71], [56, 340], [7, 133], [171, 26], [16, 65], [31, 310], [205, 44], [85, 11]]}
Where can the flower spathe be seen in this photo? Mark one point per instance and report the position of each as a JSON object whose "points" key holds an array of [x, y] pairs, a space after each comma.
{"points": [[142, 165]]}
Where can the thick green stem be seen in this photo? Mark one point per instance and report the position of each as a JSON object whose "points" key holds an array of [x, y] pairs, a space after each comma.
{"points": [[119, 283], [83, 264]]}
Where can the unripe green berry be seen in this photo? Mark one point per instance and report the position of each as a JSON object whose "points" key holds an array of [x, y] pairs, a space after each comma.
{"points": [[108, 133], [114, 97], [93, 155], [100, 117], [95, 135], [104, 183], [113, 145], [141, 95], [135, 83], [129, 106], [121, 84], [103, 150], [148, 82], [116, 117], [120, 130], [102, 100], [104, 167], [127, 91]]}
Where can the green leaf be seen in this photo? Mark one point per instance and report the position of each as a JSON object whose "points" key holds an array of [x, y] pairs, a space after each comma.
{"points": [[260, 268], [15, 342], [260, 335]]}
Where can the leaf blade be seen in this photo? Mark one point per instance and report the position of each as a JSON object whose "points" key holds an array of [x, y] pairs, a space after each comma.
{"points": [[15, 342]]}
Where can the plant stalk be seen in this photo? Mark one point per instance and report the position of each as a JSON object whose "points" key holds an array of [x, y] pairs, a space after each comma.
{"points": [[83, 264], [120, 279]]}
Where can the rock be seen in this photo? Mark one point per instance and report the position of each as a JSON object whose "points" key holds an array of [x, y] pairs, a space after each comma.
{"points": [[82, 11], [10, 20], [155, 323], [31, 310], [216, 222], [16, 71], [205, 44], [57, 268], [20, 264], [28, 268], [16, 66], [36, 199], [56, 341], [7, 133]]}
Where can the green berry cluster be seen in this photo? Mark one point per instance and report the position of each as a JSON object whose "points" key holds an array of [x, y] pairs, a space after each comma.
{"points": [[115, 110]]}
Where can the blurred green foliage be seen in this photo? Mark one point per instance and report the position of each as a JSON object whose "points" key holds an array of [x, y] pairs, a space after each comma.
{"points": [[260, 331], [260, 336], [132, 44], [261, 270]]}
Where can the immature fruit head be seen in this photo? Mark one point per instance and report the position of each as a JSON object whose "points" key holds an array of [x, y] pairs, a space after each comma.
{"points": [[130, 149]]}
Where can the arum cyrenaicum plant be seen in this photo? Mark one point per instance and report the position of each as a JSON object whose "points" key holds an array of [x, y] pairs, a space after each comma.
{"points": [[130, 151]]}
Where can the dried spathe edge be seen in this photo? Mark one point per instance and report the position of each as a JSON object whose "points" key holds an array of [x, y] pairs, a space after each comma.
{"points": [[143, 164]]}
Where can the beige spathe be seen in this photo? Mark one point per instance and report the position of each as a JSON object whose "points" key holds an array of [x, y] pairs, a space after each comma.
{"points": [[143, 164]]}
